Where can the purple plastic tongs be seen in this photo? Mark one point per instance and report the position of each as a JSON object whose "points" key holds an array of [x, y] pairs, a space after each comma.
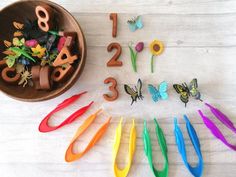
{"points": [[214, 129]]}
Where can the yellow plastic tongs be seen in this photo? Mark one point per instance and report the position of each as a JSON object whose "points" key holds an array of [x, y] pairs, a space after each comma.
{"points": [[132, 143]]}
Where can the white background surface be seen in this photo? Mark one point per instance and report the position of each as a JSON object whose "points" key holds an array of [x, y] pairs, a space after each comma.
{"points": [[200, 41]]}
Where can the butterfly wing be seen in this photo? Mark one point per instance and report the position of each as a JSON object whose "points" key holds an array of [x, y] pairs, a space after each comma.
{"points": [[154, 92], [132, 26], [16, 41], [183, 91], [22, 41], [193, 89], [139, 89], [139, 23], [131, 92], [163, 90]]}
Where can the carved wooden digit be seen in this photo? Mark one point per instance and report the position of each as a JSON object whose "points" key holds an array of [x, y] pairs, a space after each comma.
{"points": [[41, 77], [45, 78], [35, 71], [61, 74], [113, 62], [64, 57], [9, 75], [112, 88], [44, 14], [113, 17]]}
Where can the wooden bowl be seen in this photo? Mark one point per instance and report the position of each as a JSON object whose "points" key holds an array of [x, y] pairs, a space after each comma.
{"points": [[21, 10]]}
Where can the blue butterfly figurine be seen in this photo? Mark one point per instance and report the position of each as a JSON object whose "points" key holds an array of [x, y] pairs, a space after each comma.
{"points": [[158, 93], [135, 23]]}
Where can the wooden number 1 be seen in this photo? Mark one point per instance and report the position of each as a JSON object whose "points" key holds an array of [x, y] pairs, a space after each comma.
{"points": [[113, 17], [112, 88]]}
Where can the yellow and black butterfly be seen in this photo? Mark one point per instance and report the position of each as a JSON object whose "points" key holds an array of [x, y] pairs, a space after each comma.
{"points": [[186, 91], [135, 93]]}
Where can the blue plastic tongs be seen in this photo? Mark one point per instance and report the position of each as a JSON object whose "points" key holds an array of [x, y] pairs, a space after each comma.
{"points": [[195, 171]]}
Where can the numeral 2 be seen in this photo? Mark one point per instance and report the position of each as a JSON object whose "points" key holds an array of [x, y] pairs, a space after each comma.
{"points": [[113, 62]]}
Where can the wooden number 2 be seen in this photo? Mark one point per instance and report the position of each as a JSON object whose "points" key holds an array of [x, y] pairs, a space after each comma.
{"points": [[112, 88], [113, 62]]}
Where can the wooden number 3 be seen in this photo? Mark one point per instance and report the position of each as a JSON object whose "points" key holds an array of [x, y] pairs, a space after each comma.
{"points": [[113, 62], [112, 88]]}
